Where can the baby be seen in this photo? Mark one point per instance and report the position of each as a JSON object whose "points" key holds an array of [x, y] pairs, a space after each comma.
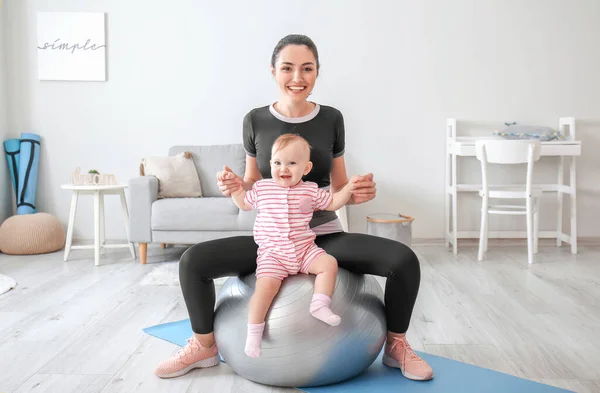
{"points": [[285, 241]]}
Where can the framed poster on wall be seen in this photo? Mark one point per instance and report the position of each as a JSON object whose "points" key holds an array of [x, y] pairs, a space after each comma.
{"points": [[71, 46]]}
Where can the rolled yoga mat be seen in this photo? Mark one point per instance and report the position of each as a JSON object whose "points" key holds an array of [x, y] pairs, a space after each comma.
{"points": [[12, 148], [28, 173], [23, 157]]}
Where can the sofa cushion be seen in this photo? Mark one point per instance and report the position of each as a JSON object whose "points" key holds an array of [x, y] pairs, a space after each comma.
{"points": [[177, 175], [195, 214], [210, 159]]}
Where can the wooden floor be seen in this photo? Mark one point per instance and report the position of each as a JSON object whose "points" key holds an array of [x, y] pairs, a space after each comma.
{"points": [[75, 328]]}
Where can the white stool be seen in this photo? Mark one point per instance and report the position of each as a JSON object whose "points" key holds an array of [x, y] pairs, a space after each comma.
{"points": [[98, 192]]}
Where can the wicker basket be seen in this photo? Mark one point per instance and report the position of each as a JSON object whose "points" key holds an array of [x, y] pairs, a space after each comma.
{"points": [[391, 226]]}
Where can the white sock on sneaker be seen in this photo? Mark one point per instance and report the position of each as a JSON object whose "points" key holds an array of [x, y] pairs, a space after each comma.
{"points": [[254, 339], [319, 308]]}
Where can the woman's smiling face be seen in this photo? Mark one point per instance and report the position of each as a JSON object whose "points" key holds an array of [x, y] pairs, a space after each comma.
{"points": [[295, 72]]}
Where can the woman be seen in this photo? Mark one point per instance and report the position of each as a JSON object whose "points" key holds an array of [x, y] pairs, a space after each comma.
{"points": [[295, 67]]}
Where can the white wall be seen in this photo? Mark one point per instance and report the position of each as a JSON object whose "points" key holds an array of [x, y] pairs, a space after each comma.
{"points": [[6, 190], [186, 72]]}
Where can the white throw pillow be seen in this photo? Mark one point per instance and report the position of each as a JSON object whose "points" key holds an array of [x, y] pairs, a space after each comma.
{"points": [[177, 175]]}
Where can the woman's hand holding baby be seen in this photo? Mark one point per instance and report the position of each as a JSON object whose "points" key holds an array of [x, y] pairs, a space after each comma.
{"points": [[363, 188]]}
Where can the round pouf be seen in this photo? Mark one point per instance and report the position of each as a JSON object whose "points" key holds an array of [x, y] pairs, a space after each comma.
{"points": [[298, 350], [36, 233]]}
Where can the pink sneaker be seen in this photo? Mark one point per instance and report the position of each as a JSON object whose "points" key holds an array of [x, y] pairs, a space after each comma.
{"points": [[400, 355], [192, 356]]}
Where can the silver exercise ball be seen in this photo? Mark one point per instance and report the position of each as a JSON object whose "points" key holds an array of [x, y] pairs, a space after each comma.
{"points": [[299, 350]]}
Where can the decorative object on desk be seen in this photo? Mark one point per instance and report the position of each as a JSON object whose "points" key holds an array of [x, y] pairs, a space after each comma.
{"points": [[177, 175], [93, 178], [27, 234], [71, 46], [391, 226], [23, 156], [514, 131]]}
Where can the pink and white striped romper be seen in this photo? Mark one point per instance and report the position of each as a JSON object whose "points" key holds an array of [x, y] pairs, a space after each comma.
{"points": [[281, 229]]}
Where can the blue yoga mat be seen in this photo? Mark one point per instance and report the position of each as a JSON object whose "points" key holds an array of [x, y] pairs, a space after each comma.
{"points": [[28, 173], [173, 332], [451, 376], [12, 149]]}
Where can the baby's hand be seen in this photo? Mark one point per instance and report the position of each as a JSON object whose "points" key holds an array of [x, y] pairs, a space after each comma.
{"points": [[353, 183], [228, 181], [225, 175]]}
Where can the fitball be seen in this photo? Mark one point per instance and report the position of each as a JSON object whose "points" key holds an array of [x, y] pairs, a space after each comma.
{"points": [[299, 350]]}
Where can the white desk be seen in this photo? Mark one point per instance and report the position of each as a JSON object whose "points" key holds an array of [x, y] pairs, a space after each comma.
{"points": [[465, 146], [98, 192]]}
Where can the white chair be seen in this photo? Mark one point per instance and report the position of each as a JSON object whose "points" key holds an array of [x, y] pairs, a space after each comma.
{"points": [[509, 152]]}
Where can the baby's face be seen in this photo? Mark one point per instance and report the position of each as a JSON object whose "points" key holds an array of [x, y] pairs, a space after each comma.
{"points": [[289, 164]]}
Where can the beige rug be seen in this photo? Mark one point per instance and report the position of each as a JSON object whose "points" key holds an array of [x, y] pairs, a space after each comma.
{"points": [[6, 283], [167, 274]]}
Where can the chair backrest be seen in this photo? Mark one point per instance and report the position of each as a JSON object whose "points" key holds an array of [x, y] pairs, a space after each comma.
{"points": [[506, 151]]}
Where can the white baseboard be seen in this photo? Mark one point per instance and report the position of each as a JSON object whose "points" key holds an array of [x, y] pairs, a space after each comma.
{"points": [[581, 241]]}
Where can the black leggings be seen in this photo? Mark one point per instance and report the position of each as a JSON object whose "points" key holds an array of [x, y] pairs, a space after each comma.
{"points": [[359, 253]]}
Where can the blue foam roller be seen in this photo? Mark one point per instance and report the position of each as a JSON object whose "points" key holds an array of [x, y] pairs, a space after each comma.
{"points": [[28, 173], [12, 148]]}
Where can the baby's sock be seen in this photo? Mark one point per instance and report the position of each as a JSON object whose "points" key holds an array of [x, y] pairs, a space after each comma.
{"points": [[319, 308], [254, 339]]}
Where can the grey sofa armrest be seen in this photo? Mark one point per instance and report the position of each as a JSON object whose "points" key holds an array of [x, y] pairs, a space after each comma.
{"points": [[143, 191]]}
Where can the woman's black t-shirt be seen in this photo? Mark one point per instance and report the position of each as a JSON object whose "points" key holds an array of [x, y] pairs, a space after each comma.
{"points": [[323, 128]]}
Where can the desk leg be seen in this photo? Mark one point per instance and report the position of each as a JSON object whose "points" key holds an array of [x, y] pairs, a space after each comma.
{"points": [[447, 191], [126, 217], [559, 202], [454, 207], [97, 196], [69, 243], [102, 227], [572, 182]]}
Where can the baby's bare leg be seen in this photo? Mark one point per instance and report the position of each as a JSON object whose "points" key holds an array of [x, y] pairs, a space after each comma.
{"points": [[325, 267], [265, 291]]}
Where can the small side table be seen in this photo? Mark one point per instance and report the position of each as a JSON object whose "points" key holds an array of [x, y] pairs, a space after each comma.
{"points": [[98, 192], [391, 226]]}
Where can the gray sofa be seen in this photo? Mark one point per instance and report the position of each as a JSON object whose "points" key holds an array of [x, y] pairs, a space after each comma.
{"points": [[189, 220]]}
